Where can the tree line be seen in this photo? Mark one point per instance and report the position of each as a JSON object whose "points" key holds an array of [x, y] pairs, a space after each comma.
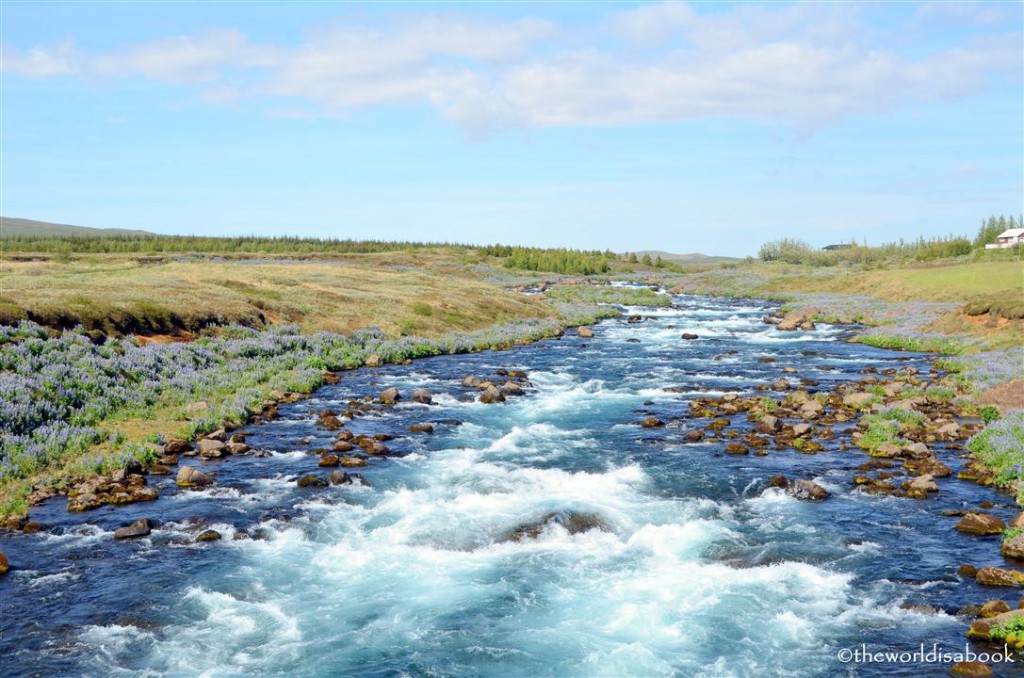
{"points": [[794, 251]]}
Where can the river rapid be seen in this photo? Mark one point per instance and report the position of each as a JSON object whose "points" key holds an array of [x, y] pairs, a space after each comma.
{"points": [[697, 568]]}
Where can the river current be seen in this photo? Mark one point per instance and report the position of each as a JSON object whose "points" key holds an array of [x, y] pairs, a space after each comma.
{"points": [[698, 569]]}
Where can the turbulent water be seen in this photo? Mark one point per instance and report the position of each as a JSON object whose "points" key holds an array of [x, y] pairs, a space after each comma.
{"points": [[699, 569]]}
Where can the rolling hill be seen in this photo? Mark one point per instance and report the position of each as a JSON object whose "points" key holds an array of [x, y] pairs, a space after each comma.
{"points": [[13, 227]]}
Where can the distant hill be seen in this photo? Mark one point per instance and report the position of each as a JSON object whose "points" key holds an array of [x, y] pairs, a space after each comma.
{"points": [[11, 227], [695, 258]]}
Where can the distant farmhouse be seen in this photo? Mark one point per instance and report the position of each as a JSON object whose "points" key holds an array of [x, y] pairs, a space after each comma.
{"points": [[844, 246], [1008, 238]]}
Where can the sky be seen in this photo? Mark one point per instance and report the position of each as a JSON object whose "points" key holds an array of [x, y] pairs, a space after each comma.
{"points": [[682, 127]]}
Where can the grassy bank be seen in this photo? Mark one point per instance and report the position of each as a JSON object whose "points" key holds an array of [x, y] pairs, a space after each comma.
{"points": [[420, 293], [75, 408]]}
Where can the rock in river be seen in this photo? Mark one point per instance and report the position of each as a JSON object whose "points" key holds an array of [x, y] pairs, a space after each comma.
{"points": [[971, 670], [311, 481], [980, 523], [1013, 547], [806, 490], [996, 576], [140, 528], [423, 396], [573, 522], [190, 476]]}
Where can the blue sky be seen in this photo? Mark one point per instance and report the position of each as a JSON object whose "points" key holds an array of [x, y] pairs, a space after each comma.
{"points": [[683, 127]]}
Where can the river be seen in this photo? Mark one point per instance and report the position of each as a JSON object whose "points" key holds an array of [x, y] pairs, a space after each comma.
{"points": [[696, 568]]}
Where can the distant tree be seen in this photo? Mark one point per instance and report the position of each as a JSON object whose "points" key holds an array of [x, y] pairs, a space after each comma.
{"points": [[647, 260], [990, 229], [658, 263], [633, 259]]}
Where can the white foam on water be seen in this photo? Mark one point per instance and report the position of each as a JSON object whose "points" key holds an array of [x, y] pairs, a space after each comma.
{"points": [[77, 536], [434, 570]]}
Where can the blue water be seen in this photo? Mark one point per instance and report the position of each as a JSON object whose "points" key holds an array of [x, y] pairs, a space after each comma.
{"points": [[699, 570]]}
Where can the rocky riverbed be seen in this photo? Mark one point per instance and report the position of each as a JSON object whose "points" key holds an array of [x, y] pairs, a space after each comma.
{"points": [[687, 489]]}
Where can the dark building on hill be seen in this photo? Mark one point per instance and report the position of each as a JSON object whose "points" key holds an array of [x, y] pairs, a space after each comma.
{"points": [[844, 246]]}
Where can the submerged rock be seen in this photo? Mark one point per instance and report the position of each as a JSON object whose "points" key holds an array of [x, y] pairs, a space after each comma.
{"points": [[967, 570], [573, 522], [652, 422], [311, 481], [736, 447]]}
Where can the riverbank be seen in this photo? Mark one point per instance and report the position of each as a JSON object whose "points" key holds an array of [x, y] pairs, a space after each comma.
{"points": [[78, 409], [119, 401]]}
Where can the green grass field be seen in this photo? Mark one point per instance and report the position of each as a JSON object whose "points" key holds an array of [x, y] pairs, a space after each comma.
{"points": [[420, 293]]}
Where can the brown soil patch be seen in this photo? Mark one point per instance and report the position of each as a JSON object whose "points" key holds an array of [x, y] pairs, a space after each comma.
{"points": [[1009, 396], [987, 321], [164, 338]]}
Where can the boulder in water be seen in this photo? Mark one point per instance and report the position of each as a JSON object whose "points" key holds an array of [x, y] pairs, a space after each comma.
{"points": [[584, 332], [208, 535], [211, 448], [572, 521], [140, 528], [5, 566], [971, 669], [806, 490], [491, 394], [422, 396], [994, 608], [1013, 547], [190, 476], [997, 576], [980, 524], [311, 481], [389, 396]]}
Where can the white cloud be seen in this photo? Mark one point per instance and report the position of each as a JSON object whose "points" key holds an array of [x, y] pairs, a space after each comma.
{"points": [[40, 62], [803, 65]]}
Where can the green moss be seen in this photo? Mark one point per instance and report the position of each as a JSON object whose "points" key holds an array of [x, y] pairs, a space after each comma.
{"points": [[943, 345]]}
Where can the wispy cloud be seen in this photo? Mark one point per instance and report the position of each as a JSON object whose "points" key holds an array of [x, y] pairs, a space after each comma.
{"points": [[803, 65]]}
